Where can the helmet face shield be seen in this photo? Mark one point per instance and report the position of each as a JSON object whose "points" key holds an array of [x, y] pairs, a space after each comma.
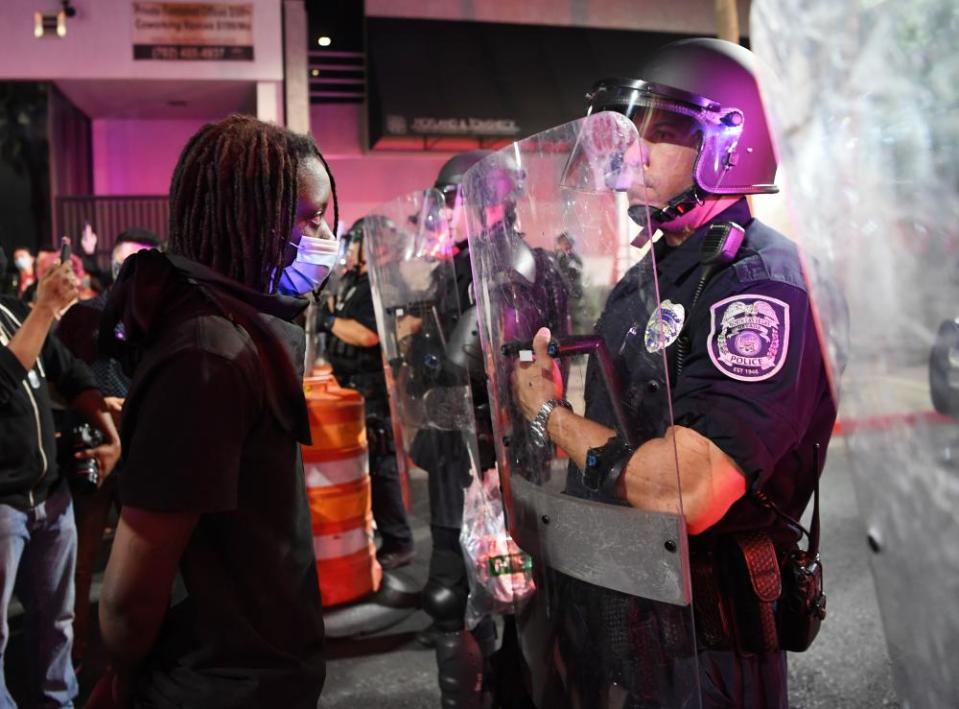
{"points": [[673, 125], [662, 164], [434, 237]]}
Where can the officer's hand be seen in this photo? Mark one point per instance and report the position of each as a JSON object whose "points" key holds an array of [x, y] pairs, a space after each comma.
{"points": [[536, 382], [408, 325], [324, 321], [58, 289]]}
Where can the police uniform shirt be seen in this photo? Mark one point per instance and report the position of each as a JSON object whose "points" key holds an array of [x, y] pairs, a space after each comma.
{"points": [[442, 453], [356, 303], [753, 380]]}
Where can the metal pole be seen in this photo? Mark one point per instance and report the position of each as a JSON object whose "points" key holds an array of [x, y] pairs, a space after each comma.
{"points": [[295, 67], [727, 20]]}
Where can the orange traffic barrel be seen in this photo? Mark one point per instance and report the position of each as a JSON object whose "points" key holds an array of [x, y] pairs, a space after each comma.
{"points": [[338, 490]]}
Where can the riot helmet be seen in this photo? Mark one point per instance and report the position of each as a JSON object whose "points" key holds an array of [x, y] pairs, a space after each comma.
{"points": [[450, 176], [351, 246], [448, 184], [702, 94]]}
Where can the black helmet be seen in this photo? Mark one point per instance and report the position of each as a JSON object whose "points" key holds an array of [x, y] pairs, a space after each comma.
{"points": [[451, 174], [713, 82], [355, 232]]}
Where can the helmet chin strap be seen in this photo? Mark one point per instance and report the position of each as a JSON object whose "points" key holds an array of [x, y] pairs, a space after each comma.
{"points": [[659, 217]]}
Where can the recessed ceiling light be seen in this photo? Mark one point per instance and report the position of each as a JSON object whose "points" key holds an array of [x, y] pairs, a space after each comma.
{"points": [[324, 41], [315, 72]]}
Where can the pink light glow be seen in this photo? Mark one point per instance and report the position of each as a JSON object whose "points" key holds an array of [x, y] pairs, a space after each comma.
{"points": [[137, 156]]}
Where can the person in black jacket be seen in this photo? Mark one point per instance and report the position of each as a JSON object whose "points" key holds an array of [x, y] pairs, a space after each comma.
{"points": [[37, 533], [212, 484]]}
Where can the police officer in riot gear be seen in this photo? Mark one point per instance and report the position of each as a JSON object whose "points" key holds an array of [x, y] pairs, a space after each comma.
{"points": [[461, 655], [354, 353], [421, 275], [749, 391]]}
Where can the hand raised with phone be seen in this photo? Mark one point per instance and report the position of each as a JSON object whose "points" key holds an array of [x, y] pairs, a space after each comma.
{"points": [[59, 288]]}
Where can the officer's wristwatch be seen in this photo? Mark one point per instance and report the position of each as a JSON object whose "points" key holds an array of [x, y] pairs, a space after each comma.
{"points": [[537, 426]]}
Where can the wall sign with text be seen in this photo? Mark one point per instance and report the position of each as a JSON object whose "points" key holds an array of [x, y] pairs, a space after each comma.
{"points": [[196, 31], [429, 125]]}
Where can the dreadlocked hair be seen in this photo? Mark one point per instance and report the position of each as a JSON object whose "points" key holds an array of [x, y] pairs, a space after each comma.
{"points": [[233, 198]]}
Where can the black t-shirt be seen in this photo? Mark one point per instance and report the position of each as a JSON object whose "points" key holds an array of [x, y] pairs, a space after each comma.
{"points": [[200, 437], [753, 381]]}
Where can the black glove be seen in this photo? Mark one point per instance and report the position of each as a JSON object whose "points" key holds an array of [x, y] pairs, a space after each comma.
{"points": [[324, 321]]}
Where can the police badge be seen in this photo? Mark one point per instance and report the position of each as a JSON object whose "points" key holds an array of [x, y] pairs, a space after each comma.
{"points": [[749, 336], [664, 325]]}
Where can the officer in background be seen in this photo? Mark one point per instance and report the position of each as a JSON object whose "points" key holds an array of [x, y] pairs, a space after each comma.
{"points": [[461, 655], [751, 402], [354, 352]]}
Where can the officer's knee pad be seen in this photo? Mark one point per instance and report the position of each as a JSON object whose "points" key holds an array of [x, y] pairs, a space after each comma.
{"points": [[447, 606]]}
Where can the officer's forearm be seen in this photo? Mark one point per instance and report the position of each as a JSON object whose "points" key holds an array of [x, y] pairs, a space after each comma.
{"points": [[708, 480], [576, 434], [353, 333]]}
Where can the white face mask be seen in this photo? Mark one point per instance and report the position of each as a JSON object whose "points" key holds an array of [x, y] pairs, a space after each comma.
{"points": [[314, 260]]}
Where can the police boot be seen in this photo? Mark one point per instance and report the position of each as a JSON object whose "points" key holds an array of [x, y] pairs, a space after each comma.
{"points": [[459, 658], [459, 664]]}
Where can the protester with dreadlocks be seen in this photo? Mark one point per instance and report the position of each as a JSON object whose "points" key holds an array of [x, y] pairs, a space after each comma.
{"points": [[213, 482]]}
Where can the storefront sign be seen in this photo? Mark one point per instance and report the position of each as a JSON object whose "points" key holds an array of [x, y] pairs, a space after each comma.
{"points": [[428, 125], [196, 31]]}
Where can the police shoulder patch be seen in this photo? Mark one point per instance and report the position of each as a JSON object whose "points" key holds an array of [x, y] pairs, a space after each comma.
{"points": [[749, 336]]}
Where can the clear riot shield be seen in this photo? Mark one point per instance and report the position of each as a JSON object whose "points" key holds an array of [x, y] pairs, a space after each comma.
{"points": [[870, 155], [611, 621], [409, 250]]}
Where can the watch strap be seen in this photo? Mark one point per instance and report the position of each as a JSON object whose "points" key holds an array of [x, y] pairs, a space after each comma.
{"points": [[538, 425]]}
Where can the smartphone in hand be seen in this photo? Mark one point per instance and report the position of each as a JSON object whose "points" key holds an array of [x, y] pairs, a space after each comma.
{"points": [[65, 250]]}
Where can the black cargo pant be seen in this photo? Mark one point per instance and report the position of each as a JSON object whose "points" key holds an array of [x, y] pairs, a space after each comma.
{"points": [[387, 492]]}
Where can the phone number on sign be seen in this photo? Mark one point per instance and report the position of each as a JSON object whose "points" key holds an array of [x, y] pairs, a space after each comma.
{"points": [[192, 52]]}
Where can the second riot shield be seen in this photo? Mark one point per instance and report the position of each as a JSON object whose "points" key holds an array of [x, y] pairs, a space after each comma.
{"points": [[611, 622], [420, 275], [409, 251]]}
